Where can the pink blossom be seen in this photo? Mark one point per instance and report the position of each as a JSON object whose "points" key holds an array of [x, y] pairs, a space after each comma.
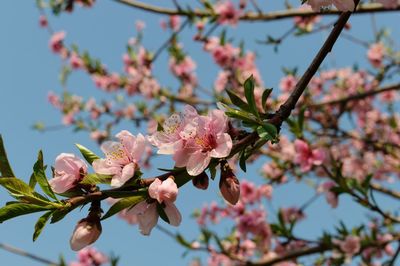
{"points": [[176, 130], [89, 256], [174, 22], [307, 157], [75, 61], [68, 171], [288, 83], [122, 157], [164, 192], [56, 42], [350, 245], [375, 54], [86, 232], [43, 21], [227, 13], [221, 81], [54, 99], [306, 23], [210, 141], [140, 25]]}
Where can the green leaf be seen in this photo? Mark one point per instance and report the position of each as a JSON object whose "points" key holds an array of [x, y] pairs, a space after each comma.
{"points": [[87, 154], [238, 102], [40, 176], [301, 118], [59, 214], [125, 203], [93, 179], [161, 213], [40, 224], [5, 168], [264, 98], [17, 209], [267, 132], [181, 240], [32, 181], [249, 94], [15, 185]]}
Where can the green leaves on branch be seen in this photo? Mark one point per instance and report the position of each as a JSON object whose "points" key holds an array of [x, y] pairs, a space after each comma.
{"points": [[94, 179], [40, 176], [87, 154], [297, 125], [5, 168], [16, 209]]}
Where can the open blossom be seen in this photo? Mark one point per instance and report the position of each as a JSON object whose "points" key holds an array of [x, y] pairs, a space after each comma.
{"points": [[68, 171], [210, 141], [227, 13], [350, 245], [342, 5], [122, 157], [165, 193], [307, 157], [375, 54]]}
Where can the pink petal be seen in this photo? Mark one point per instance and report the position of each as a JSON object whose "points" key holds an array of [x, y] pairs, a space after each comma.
{"points": [[344, 5], [101, 166], [148, 219], [224, 146], [127, 173], [62, 183], [301, 146], [197, 163], [173, 214], [318, 156], [153, 188]]}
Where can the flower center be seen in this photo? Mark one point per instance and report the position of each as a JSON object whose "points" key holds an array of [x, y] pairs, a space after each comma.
{"points": [[207, 142]]}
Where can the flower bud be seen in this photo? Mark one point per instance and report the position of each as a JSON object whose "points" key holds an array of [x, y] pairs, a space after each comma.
{"points": [[201, 181], [229, 184], [87, 231]]}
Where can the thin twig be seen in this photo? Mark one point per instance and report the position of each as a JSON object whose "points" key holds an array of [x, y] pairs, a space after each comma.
{"points": [[255, 16], [26, 254]]}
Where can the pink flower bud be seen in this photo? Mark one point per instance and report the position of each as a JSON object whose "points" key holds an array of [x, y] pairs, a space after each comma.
{"points": [[164, 191], [86, 232], [201, 181], [350, 245], [229, 185]]}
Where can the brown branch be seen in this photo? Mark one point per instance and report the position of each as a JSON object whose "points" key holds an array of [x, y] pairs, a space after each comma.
{"points": [[285, 109], [291, 255], [255, 16], [386, 191], [358, 96]]}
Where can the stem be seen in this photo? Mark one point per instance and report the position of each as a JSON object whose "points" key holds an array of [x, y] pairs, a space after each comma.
{"points": [[255, 16], [26, 254], [285, 109]]}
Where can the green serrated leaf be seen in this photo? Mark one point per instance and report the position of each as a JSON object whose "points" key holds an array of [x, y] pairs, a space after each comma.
{"points": [[238, 102], [94, 179], [264, 98], [40, 176], [5, 168], [17, 209], [249, 94], [301, 118], [125, 203], [58, 215], [87, 154], [41, 222]]}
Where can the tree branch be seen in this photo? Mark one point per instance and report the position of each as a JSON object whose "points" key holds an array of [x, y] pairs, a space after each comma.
{"points": [[285, 109], [26, 254], [255, 16], [358, 96]]}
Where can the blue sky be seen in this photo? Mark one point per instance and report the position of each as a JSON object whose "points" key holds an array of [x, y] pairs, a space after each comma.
{"points": [[28, 71]]}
